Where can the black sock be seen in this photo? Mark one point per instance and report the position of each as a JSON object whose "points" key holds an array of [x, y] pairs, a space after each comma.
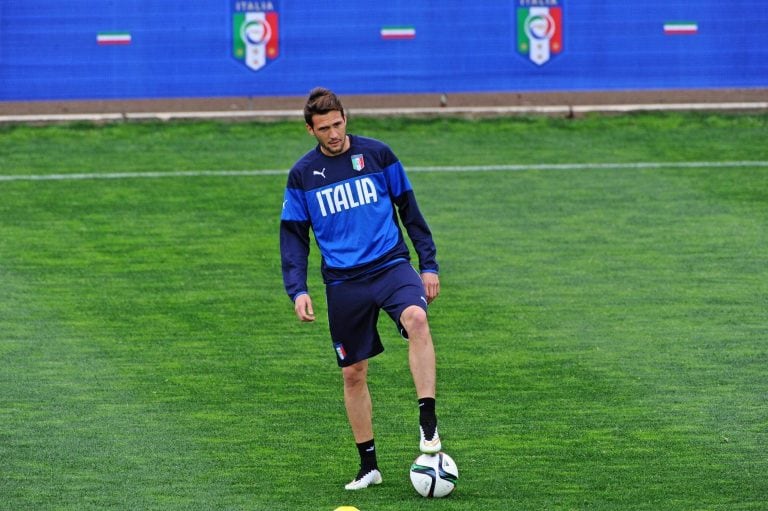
{"points": [[367, 451], [427, 418]]}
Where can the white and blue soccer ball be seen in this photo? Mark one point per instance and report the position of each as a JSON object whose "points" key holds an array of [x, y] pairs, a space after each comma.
{"points": [[434, 475]]}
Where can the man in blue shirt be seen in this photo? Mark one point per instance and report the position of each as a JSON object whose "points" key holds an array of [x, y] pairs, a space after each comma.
{"points": [[353, 193]]}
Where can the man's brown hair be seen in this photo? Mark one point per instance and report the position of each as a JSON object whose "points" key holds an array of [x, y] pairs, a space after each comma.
{"points": [[320, 102]]}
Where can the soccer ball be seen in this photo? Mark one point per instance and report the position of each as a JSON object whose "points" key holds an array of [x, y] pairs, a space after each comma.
{"points": [[434, 475]]}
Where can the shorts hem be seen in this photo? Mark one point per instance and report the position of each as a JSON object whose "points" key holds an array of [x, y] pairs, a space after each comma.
{"points": [[348, 361]]}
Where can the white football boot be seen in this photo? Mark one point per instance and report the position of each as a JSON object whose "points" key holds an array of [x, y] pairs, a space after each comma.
{"points": [[429, 446], [365, 480]]}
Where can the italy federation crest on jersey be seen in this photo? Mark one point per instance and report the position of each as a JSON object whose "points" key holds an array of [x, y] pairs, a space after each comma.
{"points": [[255, 32], [358, 162], [539, 29]]}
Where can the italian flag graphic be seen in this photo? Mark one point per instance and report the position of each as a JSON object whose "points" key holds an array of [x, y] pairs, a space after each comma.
{"points": [[681, 28], [399, 32], [113, 38], [539, 32]]}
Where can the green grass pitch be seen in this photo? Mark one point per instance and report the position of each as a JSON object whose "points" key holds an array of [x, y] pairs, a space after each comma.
{"points": [[601, 331]]}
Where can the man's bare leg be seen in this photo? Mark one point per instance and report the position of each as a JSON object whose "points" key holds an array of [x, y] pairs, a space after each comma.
{"points": [[357, 400], [421, 357]]}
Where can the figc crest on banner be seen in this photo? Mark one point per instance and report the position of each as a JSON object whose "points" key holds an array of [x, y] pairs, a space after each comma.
{"points": [[539, 29], [255, 32]]}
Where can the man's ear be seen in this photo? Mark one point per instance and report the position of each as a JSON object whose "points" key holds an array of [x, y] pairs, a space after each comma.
{"points": [[310, 129]]}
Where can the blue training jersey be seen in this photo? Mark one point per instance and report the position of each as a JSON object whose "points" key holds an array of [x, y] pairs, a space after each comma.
{"points": [[352, 203]]}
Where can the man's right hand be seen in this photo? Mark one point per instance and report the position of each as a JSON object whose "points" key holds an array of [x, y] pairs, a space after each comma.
{"points": [[303, 308]]}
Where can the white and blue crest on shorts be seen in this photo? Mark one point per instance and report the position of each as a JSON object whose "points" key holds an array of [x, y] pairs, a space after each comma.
{"points": [[358, 162]]}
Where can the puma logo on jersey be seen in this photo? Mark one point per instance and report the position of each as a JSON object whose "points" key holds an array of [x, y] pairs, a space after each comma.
{"points": [[346, 196], [319, 172]]}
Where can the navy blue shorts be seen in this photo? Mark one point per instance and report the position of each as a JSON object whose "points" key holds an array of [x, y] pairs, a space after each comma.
{"points": [[354, 305]]}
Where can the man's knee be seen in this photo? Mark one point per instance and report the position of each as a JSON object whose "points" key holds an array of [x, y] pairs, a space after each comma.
{"points": [[356, 374], [414, 319]]}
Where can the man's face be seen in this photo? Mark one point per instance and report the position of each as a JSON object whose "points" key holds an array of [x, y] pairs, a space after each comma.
{"points": [[330, 130]]}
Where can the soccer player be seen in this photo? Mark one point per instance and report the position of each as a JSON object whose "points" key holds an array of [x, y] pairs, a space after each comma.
{"points": [[353, 193]]}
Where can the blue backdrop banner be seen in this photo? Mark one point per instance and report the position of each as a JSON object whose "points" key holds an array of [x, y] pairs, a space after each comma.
{"points": [[110, 49]]}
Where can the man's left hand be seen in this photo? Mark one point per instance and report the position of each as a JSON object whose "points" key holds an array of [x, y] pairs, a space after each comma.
{"points": [[431, 285]]}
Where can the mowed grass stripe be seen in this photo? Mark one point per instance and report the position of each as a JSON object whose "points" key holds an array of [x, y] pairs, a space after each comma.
{"points": [[449, 168], [78, 430], [161, 344], [619, 294]]}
